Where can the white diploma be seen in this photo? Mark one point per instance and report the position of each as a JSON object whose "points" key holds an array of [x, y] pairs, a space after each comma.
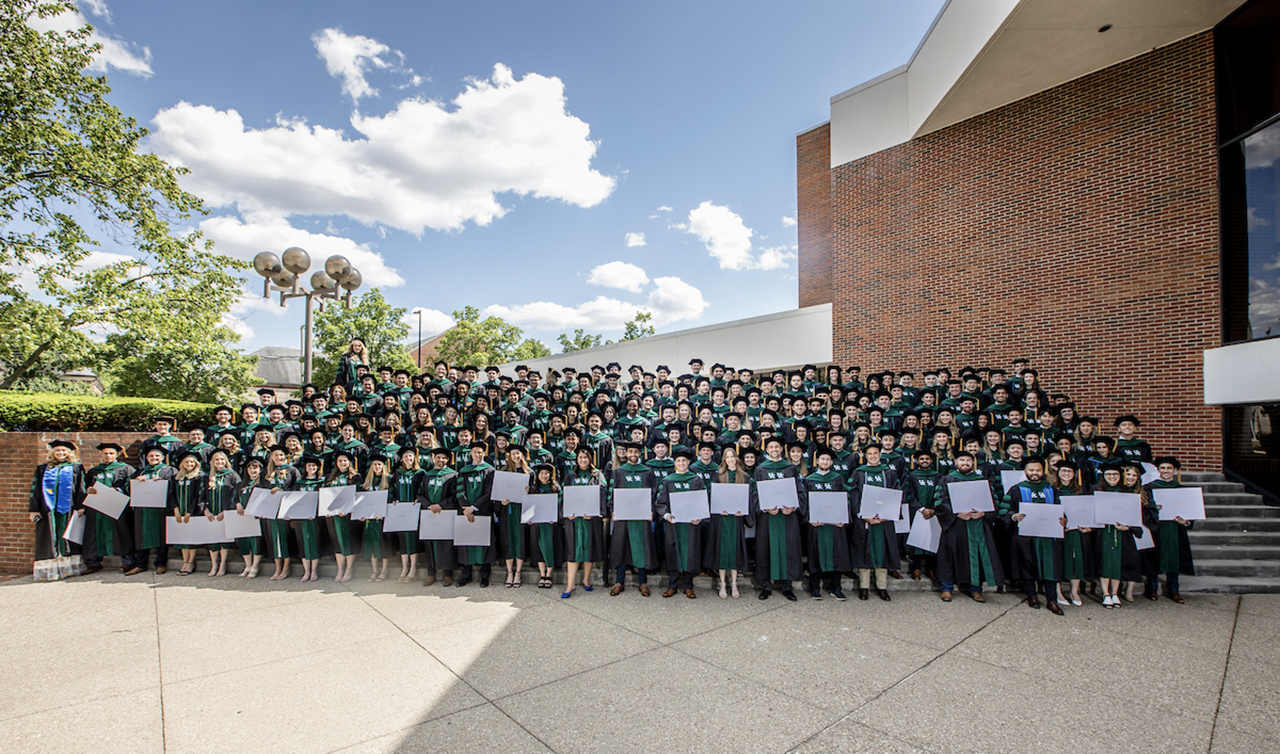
{"points": [[336, 500], [369, 505], [241, 527], [882, 502], [1042, 520], [198, 531], [540, 509], [633, 504], [690, 506], [734, 499], [472, 534], [148, 493], [509, 485], [401, 517], [1149, 473], [263, 504], [1117, 508], [298, 505], [970, 496], [1146, 541], [1079, 510], [828, 508], [903, 524], [75, 528], [108, 501], [1186, 503], [436, 525], [582, 500], [925, 534], [1010, 477], [777, 493]]}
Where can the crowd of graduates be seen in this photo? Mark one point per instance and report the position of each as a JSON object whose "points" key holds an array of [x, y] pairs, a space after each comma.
{"points": [[437, 438]]}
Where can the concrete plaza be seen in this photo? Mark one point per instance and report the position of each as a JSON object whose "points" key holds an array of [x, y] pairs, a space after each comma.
{"points": [[105, 663]]}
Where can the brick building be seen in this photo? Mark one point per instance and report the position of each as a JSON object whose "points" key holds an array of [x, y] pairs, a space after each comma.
{"points": [[1062, 181]]}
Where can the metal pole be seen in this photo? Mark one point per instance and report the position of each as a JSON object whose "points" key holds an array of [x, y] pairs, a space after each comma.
{"points": [[419, 340], [306, 347]]}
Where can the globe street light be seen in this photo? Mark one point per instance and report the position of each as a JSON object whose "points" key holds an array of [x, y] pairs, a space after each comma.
{"points": [[283, 273]]}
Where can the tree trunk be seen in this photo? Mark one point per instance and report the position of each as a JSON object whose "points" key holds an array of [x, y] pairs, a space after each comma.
{"points": [[22, 368]]}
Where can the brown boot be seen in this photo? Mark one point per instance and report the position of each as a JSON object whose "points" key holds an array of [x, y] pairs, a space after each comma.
{"points": [[447, 581], [644, 590], [977, 597], [915, 575], [430, 579], [617, 589], [690, 594], [669, 593]]}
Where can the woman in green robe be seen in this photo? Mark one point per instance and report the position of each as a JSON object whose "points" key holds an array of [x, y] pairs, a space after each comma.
{"points": [[583, 535], [1173, 546], [546, 543], [1078, 543], [250, 547], [308, 529], [375, 544], [726, 545], [187, 491], [279, 476], [511, 540], [221, 496], [405, 484], [148, 523], [343, 474]]}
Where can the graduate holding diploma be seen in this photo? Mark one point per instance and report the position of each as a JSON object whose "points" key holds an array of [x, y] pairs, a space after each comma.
{"points": [[279, 476], [875, 543], [1036, 560], [583, 535], [377, 545], [438, 492], [778, 528], [631, 545], [406, 483], [105, 536], [967, 550], [828, 543], [475, 481], [511, 541], [57, 489], [683, 540], [726, 546], [1173, 546], [343, 474], [250, 547], [187, 490], [223, 490], [148, 523], [1078, 543], [546, 543], [308, 529]]}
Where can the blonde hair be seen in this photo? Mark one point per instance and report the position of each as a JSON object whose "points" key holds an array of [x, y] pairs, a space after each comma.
{"points": [[73, 456], [524, 462], [386, 477], [183, 475]]}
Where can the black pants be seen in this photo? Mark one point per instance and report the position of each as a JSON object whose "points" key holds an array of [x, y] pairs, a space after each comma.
{"points": [[829, 579], [642, 575], [680, 580], [1050, 589], [140, 557], [485, 570]]}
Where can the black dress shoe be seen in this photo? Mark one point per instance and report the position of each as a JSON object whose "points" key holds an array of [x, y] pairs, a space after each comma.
{"points": [[1033, 602], [839, 595], [790, 595], [816, 594], [1053, 608], [91, 569], [764, 594], [462, 581], [484, 581], [864, 594], [884, 594]]}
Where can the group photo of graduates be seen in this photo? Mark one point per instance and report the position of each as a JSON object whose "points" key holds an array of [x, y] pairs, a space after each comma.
{"points": [[437, 440]]}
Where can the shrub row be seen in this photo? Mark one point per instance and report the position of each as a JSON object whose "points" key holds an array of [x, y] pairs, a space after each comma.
{"points": [[53, 412]]}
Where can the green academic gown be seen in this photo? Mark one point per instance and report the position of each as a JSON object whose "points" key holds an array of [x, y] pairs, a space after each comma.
{"points": [[439, 487], [778, 556], [631, 542]]}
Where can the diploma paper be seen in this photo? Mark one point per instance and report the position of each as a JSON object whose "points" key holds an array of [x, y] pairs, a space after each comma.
{"points": [[148, 493], [263, 504], [369, 505], [540, 509], [634, 504], [925, 534], [336, 500], [690, 506], [509, 485], [298, 505], [1184, 502], [75, 528], [828, 508], [401, 517], [1149, 473], [970, 496], [241, 527], [1010, 477], [1042, 520], [903, 524], [734, 499], [777, 493], [582, 500], [1079, 510], [1146, 541], [198, 531], [436, 525], [882, 502], [473, 534], [1117, 508], [108, 501]]}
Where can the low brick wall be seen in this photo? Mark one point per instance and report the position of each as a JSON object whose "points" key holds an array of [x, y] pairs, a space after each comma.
{"points": [[20, 453]]}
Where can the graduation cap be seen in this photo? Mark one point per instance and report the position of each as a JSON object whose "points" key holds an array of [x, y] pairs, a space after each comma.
{"points": [[1162, 460], [695, 360], [442, 451], [308, 458], [1068, 464], [924, 453], [545, 467], [802, 446], [683, 452], [163, 418], [101, 446], [375, 458], [266, 391], [890, 433], [772, 439], [478, 444], [1127, 418], [1108, 441], [1016, 441], [64, 444], [1092, 420], [631, 445], [710, 445], [823, 450]]}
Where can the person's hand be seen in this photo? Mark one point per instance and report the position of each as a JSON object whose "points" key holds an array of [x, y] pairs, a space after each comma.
{"points": [[286, 519], [927, 513], [1062, 520], [788, 511], [875, 519], [839, 526], [92, 491], [506, 502], [1019, 516], [274, 490], [34, 517], [435, 508], [588, 518], [240, 509], [1085, 530], [470, 513], [696, 522], [669, 518], [208, 515], [1122, 527], [1180, 520], [773, 511], [221, 516], [724, 513]]}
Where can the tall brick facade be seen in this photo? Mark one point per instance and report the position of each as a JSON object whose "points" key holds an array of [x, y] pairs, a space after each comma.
{"points": [[813, 214], [1078, 227], [20, 453]]}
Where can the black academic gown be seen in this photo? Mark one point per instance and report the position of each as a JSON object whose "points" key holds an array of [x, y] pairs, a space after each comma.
{"points": [[104, 537], [780, 528], [50, 527], [631, 542], [862, 533], [967, 550], [1034, 558], [725, 547], [439, 488], [584, 537], [148, 523], [683, 541]]}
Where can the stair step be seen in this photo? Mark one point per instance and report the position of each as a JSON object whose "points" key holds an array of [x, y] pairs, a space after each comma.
{"points": [[1240, 511], [1263, 552], [1202, 476], [1238, 524], [1218, 487], [1232, 498], [1269, 569], [1228, 585], [1202, 539]]}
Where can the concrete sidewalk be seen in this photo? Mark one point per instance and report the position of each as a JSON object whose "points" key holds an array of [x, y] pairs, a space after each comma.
{"points": [[187, 664]]}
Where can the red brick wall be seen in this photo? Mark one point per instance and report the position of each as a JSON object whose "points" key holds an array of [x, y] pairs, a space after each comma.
{"points": [[813, 209], [1078, 227], [20, 453]]}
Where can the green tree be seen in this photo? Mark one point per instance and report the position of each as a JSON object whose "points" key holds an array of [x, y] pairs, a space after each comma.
{"points": [[638, 327], [194, 362], [381, 326], [477, 341], [580, 341], [530, 349], [66, 155], [23, 327]]}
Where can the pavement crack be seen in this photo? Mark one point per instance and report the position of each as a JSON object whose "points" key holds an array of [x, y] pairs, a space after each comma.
{"points": [[155, 604], [1226, 667]]}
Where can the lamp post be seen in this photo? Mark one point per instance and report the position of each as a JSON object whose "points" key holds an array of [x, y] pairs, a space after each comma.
{"points": [[419, 313], [281, 274]]}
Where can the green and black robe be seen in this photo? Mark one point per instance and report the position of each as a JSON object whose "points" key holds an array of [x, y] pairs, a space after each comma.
{"points": [[778, 555], [828, 544], [584, 537], [967, 550], [683, 540], [631, 542]]}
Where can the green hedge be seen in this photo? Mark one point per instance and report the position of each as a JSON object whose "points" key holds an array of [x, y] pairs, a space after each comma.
{"points": [[54, 412]]}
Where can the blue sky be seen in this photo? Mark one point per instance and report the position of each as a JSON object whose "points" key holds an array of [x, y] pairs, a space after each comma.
{"points": [[499, 154]]}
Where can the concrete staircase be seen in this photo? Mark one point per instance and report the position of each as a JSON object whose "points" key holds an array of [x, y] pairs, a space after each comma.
{"points": [[1237, 549]]}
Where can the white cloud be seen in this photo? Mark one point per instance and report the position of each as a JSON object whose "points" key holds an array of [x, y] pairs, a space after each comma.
{"points": [[622, 275], [788, 221], [671, 300], [115, 53], [1262, 149], [635, 239], [349, 57], [434, 322], [1256, 222], [774, 257], [663, 208], [1264, 308], [422, 165], [726, 236], [262, 231]]}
